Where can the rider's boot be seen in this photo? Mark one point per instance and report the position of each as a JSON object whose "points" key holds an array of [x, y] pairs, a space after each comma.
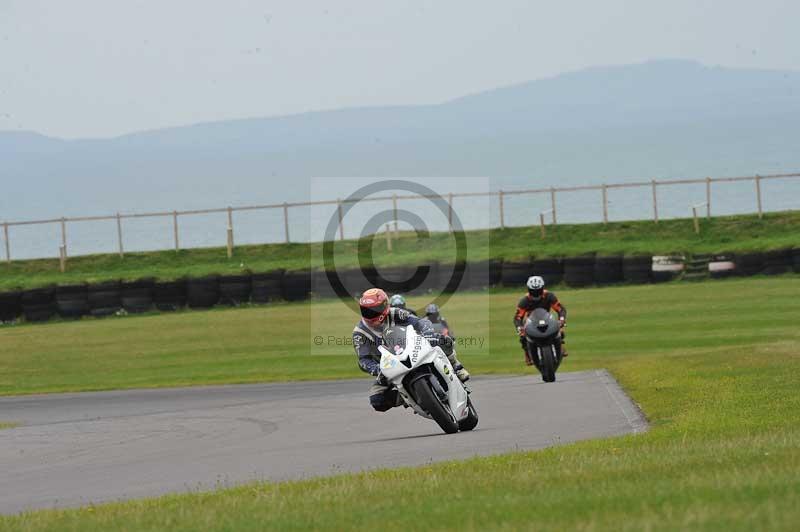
{"points": [[458, 367], [528, 359]]}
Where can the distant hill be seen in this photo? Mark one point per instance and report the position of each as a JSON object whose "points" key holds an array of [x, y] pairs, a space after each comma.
{"points": [[658, 119]]}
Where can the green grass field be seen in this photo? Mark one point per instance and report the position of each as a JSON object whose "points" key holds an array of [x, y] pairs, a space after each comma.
{"points": [[715, 366], [720, 234]]}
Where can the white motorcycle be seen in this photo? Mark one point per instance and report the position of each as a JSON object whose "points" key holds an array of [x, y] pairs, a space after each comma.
{"points": [[425, 379]]}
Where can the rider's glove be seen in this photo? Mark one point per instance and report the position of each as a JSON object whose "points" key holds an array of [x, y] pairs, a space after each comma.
{"points": [[376, 371], [562, 322], [521, 331]]}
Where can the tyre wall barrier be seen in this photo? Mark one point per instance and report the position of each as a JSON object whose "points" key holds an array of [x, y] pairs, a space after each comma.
{"points": [[72, 302], [202, 292], [516, 273], [266, 287], [722, 265], [38, 304], [137, 296], [235, 289], [777, 262], [637, 269], [433, 281], [551, 270], [105, 298], [608, 270], [169, 295], [10, 306], [796, 260], [749, 263], [296, 285], [452, 277], [579, 271], [667, 267]]}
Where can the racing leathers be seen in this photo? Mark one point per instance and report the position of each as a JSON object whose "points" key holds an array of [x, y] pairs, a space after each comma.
{"points": [[366, 340], [528, 304]]}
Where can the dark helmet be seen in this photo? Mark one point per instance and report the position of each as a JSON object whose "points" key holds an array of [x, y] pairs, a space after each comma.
{"points": [[374, 306], [432, 312], [397, 301]]}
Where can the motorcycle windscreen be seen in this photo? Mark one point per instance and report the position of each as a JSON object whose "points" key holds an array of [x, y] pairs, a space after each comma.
{"points": [[394, 339], [541, 324]]}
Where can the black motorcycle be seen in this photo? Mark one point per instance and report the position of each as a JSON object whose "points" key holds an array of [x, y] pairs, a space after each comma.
{"points": [[543, 335]]}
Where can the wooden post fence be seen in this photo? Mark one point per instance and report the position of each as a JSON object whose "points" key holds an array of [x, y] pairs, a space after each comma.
{"points": [[230, 232], [758, 195], [708, 197], [394, 211], [8, 245], [119, 235], [388, 239], [605, 204], [175, 230], [62, 258], [450, 211], [655, 202], [286, 220], [64, 234], [341, 218], [502, 214], [553, 203]]}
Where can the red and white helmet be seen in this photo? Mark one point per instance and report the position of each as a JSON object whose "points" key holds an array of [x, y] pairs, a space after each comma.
{"points": [[374, 305]]}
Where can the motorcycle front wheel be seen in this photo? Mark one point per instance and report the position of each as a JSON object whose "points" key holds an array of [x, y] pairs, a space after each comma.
{"points": [[547, 357], [429, 400]]}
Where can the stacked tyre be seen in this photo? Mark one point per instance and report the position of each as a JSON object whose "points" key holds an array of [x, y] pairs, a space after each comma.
{"points": [[551, 270], [748, 264], [235, 290], [637, 269], [169, 295], [10, 306], [579, 271], [137, 296], [105, 299], [202, 292], [667, 267], [266, 287], [515, 273], [796, 260], [39, 304], [296, 285], [777, 262], [452, 278], [722, 265], [608, 270], [72, 302]]}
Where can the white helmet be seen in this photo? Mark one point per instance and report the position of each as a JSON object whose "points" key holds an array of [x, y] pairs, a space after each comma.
{"points": [[535, 285]]}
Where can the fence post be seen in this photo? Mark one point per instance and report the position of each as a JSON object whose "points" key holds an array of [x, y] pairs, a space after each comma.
{"points": [[62, 258], [64, 234], [553, 203], [696, 223], [708, 197], [175, 230], [341, 218], [230, 232], [758, 195], [502, 213], [655, 202], [541, 223], [605, 204], [388, 239], [8, 245], [394, 213], [119, 235], [450, 211], [286, 220]]}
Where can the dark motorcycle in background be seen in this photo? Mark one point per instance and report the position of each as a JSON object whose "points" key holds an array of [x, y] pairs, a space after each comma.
{"points": [[543, 336]]}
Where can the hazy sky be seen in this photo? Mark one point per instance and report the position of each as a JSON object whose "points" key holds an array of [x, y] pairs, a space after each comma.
{"points": [[96, 68]]}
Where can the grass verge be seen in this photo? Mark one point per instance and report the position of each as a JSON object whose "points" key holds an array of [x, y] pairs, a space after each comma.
{"points": [[715, 366], [720, 234]]}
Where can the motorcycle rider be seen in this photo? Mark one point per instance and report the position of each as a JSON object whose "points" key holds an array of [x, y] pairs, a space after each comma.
{"points": [[538, 297], [376, 314], [398, 301], [433, 314]]}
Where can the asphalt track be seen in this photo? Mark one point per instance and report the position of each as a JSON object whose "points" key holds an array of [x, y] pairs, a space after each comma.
{"points": [[75, 449]]}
